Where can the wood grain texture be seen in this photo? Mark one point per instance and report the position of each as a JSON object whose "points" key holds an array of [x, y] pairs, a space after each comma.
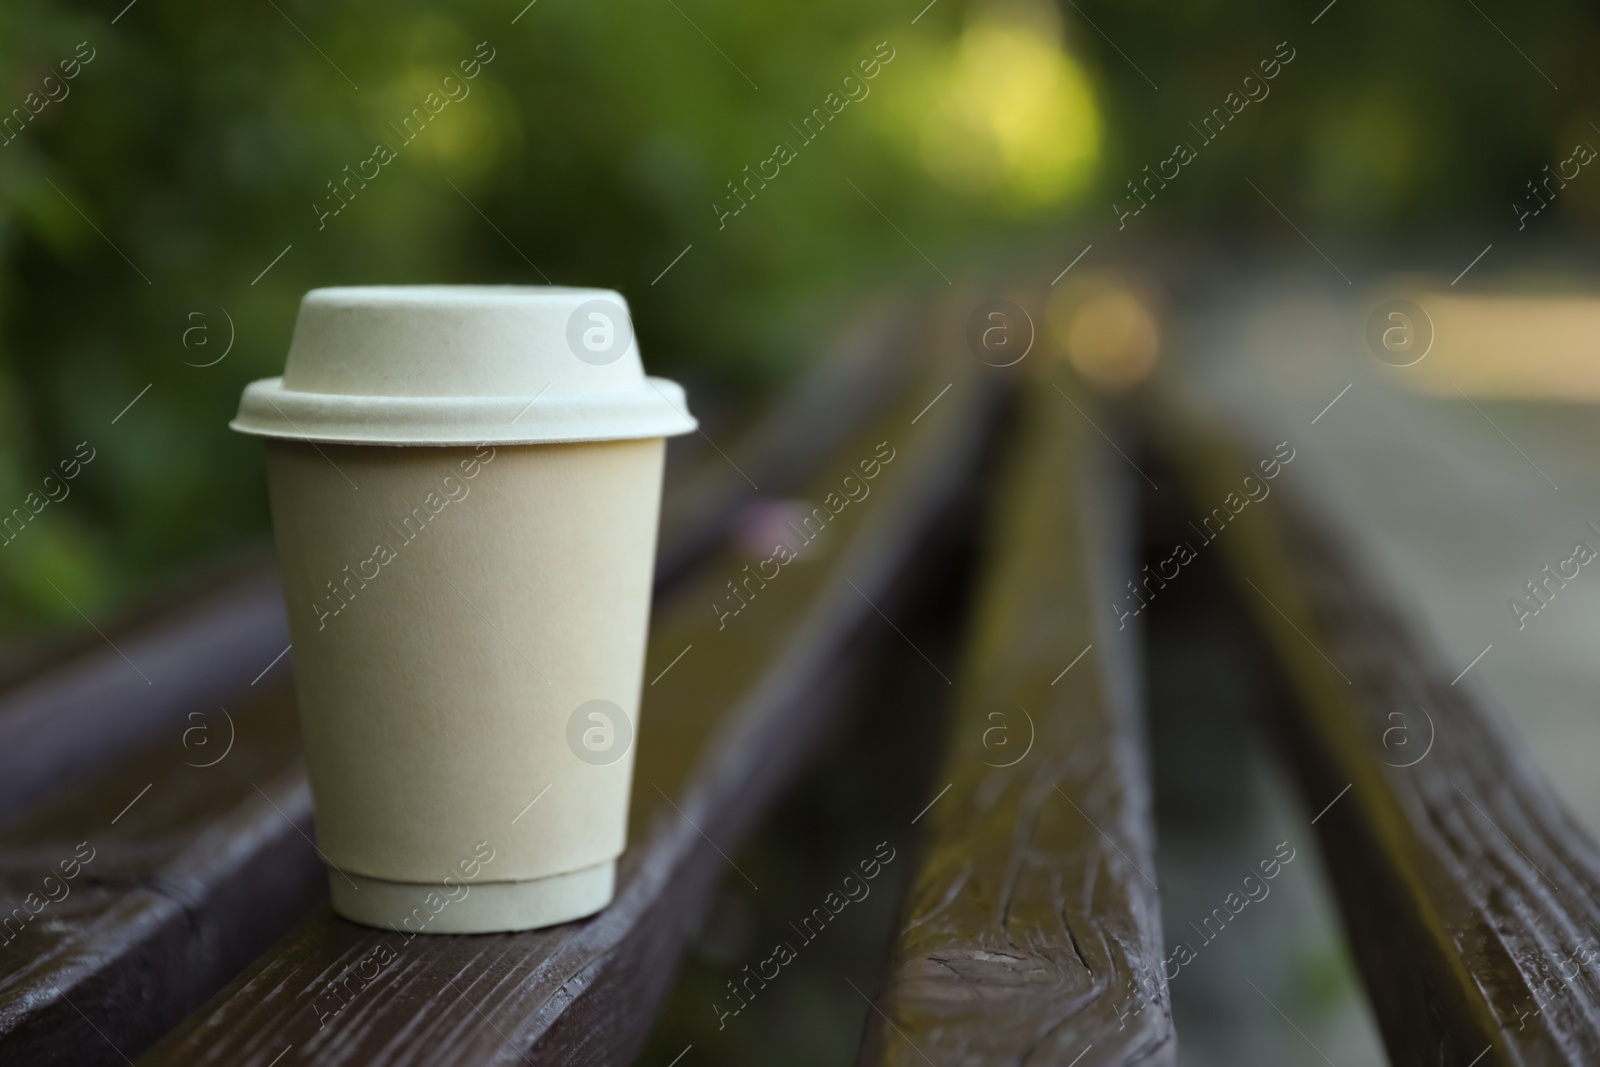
{"points": [[1471, 897], [721, 731], [180, 874], [1031, 931]]}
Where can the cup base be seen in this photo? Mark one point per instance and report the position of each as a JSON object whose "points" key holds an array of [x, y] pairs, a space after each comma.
{"points": [[488, 907]]}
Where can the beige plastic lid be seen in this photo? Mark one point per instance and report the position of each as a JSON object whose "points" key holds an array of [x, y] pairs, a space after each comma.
{"points": [[463, 364]]}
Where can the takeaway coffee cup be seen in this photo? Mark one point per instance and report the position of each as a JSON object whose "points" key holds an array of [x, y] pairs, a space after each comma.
{"points": [[465, 484]]}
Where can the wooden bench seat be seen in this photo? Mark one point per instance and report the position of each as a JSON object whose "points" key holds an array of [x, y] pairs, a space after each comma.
{"points": [[157, 832]]}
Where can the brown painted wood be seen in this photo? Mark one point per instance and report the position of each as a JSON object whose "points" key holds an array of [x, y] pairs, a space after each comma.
{"points": [[133, 896], [1471, 897], [201, 873], [722, 729], [1031, 930]]}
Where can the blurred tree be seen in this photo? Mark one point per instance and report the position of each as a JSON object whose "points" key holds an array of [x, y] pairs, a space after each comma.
{"points": [[179, 196], [1395, 121]]}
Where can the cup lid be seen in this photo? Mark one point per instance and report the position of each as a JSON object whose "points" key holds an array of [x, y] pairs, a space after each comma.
{"points": [[463, 364]]}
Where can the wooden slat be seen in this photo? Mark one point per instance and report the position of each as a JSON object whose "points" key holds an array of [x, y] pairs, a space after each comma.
{"points": [[199, 875], [182, 873], [720, 734], [1471, 897], [1031, 931]]}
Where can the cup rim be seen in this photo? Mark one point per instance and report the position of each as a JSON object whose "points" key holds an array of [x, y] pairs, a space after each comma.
{"points": [[658, 409]]}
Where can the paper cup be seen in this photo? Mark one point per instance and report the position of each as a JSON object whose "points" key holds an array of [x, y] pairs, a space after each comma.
{"points": [[466, 529]]}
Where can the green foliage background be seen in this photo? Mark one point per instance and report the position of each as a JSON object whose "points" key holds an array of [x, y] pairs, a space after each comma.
{"points": [[199, 136]]}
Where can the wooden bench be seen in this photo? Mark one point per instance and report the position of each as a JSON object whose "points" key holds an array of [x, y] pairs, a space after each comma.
{"points": [[158, 834]]}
